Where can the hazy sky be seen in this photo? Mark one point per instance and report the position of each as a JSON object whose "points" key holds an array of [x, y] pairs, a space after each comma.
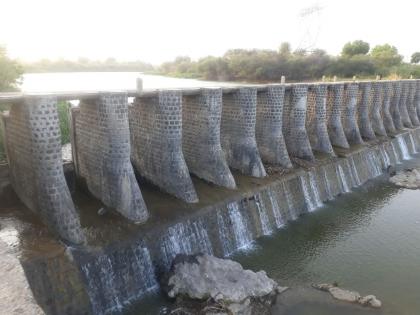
{"points": [[159, 30]]}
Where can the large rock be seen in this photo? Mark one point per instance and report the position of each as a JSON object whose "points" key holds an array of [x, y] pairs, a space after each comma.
{"points": [[221, 281], [409, 178]]}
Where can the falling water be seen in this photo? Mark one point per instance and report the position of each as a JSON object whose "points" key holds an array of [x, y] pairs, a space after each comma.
{"points": [[373, 163], [385, 157], [397, 157], [315, 191], [109, 288], [343, 180], [354, 171], [327, 185], [185, 238], [287, 195], [413, 145], [403, 147], [233, 224], [352, 178], [276, 210], [310, 205], [262, 211]]}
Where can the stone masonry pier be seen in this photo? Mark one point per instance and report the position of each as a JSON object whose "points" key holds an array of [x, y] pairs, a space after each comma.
{"points": [[164, 136]]}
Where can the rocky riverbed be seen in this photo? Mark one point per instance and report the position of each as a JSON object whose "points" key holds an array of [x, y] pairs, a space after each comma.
{"points": [[409, 178]]}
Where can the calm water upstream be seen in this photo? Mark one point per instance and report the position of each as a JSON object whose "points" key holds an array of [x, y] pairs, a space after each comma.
{"points": [[86, 81], [367, 240]]}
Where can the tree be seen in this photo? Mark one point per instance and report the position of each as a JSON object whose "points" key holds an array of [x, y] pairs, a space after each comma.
{"points": [[10, 72], [285, 49], [385, 57], [415, 58], [357, 47]]}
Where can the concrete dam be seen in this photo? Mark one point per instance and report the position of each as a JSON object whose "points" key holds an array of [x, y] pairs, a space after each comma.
{"points": [[184, 171]]}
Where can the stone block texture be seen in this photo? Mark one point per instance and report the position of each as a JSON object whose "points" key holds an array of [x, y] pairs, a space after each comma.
{"points": [[156, 142], [297, 139], [238, 131], [395, 105], [377, 108], [411, 106], [335, 103], [351, 128], [387, 108], [33, 144], [405, 90], [316, 119], [201, 119], [417, 99], [268, 129], [101, 147], [364, 110]]}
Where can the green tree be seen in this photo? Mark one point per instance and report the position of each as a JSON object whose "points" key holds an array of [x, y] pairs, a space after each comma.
{"points": [[415, 57], [357, 47], [10, 72], [386, 58], [285, 49]]}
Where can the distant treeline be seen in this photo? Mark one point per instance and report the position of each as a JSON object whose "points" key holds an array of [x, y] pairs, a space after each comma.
{"points": [[257, 65], [85, 65]]}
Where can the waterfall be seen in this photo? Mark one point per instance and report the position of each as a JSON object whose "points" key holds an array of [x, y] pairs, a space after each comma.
{"points": [[327, 185], [354, 171], [385, 157], [186, 238], [343, 180], [276, 210], [116, 279], [397, 157], [413, 145], [287, 196], [313, 200], [233, 224], [373, 163], [403, 147], [315, 191], [352, 178], [262, 211]]}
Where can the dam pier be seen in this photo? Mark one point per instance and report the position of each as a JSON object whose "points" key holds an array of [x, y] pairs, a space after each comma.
{"points": [[184, 171]]}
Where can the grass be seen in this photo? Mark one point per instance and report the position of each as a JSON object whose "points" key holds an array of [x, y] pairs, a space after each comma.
{"points": [[63, 116]]}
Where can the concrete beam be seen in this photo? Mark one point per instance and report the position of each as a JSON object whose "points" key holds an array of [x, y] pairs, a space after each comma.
{"points": [[351, 128], [334, 124], [101, 147], [156, 142], [411, 106], [268, 129], [377, 103], [238, 131], [297, 140], [417, 99], [201, 118], [33, 145], [387, 112], [317, 128], [364, 107], [395, 105], [403, 104]]}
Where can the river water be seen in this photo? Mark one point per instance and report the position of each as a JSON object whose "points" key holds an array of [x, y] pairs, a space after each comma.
{"points": [[88, 81]]}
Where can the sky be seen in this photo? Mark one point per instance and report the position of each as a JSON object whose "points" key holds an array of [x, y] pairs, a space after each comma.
{"points": [[159, 30]]}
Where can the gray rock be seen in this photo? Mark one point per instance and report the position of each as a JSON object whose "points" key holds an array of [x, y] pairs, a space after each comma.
{"points": [[220, 282], [370, 300], [344, 295], [408, 179]]}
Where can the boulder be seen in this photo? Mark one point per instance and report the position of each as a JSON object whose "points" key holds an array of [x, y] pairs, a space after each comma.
{"points": [[409, 178], [220, 282]]}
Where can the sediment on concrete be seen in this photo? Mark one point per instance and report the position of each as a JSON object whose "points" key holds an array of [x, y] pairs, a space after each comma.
{"points": [[364, 110], [101, 146], [33, 146], [351, 127], [238, 132], [156, 141], [201, 118], [335, 107]]}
